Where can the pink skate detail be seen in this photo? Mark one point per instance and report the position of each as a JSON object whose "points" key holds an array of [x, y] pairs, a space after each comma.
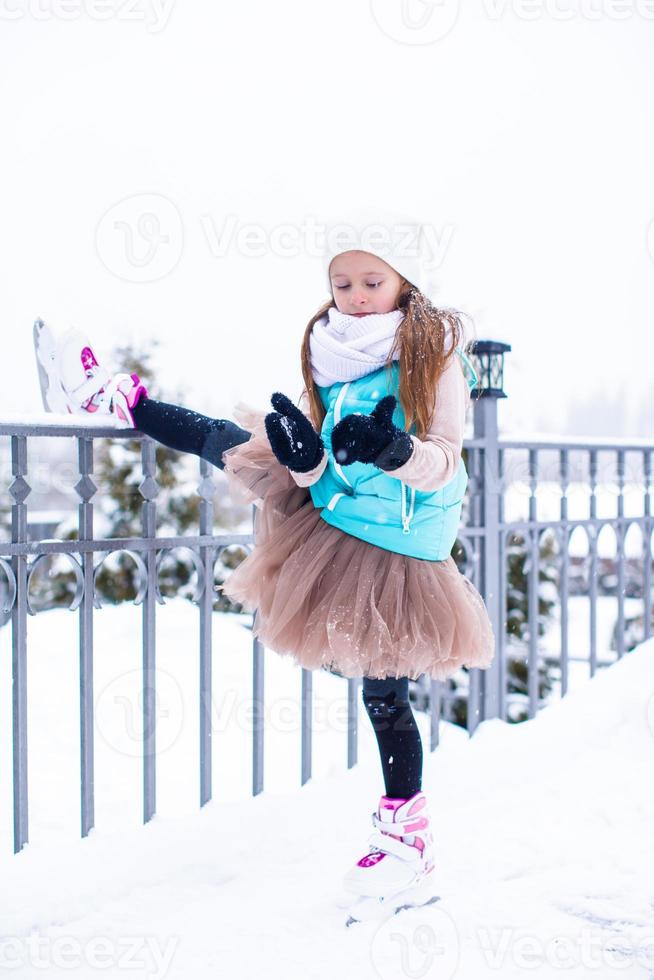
{"points": [[420, 804], [88, 360], [370, 860], [418, 825], [137, 391], [417, 842], [129, 398], [388, 803], [400, 829]]}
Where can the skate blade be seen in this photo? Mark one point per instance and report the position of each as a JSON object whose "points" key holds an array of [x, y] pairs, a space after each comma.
{"points": [[367, 908]]}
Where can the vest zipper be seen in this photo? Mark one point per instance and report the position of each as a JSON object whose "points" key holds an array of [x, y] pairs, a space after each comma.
{"points": [[406, 518], [337, 418]]}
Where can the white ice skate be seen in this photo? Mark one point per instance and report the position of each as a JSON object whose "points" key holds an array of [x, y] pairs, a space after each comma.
{"points": [[398, 870], [72, 381]]}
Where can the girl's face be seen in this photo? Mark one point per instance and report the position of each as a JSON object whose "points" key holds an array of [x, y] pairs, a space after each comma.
{"points": [[363, 284]]}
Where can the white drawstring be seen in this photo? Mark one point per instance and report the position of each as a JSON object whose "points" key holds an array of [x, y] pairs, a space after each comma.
{"points": [[406, 519]]}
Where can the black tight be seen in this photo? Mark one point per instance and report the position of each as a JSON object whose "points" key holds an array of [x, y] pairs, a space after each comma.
{"points": [[188, 432], [386, 701], [398, 736]]}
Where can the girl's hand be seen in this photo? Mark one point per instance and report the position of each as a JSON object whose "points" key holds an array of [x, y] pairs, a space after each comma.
{"points": [[372, 438], [292, 438]]}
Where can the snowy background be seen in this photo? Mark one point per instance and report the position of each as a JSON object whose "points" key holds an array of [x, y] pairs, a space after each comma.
{"points": [[153, 154], [543, 830], [141, 139]]}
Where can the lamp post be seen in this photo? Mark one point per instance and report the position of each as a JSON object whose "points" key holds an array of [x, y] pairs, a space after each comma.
{"points": [[487, 357], [487, 696]]}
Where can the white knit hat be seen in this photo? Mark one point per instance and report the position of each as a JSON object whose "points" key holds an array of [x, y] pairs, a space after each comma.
{"points": [[399, 240]]}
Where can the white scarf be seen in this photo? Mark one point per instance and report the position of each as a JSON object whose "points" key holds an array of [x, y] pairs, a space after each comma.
{"points": [[344, 347]]}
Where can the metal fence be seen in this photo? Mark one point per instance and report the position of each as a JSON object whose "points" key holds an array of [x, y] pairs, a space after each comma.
{"points": [[494, 467]]}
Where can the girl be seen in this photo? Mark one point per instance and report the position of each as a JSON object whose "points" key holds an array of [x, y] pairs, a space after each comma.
{"points": [[357, 513]]}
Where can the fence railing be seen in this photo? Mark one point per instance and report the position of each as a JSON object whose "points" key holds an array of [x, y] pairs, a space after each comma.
{"points": [[486, 543]]}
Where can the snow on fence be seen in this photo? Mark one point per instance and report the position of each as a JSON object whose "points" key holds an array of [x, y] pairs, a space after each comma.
{"points": [[523, 490]]}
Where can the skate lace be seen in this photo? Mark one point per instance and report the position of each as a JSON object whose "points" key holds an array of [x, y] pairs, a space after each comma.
{"points": [[103, 399], [90, 387]]}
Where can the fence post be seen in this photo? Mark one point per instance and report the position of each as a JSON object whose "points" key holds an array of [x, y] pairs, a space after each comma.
{"points": [[149, 488], [488, 358], [19, 490], [205, 602], [85, 489]]}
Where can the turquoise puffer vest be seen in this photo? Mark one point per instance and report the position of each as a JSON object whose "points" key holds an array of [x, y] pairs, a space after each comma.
{"points": [[370, 504]]}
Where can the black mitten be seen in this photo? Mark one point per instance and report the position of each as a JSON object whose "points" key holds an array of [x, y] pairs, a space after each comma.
{"points": [[293, 439], [372, 438]]}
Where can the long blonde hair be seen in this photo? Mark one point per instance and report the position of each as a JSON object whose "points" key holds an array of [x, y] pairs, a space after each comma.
{"points": [[420, 338]]}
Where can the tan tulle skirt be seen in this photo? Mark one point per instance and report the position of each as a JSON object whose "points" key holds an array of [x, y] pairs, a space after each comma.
{"points": [[328, 599]]}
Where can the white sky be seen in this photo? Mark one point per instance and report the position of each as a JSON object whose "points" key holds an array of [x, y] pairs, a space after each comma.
{"points": [[527, 142]]}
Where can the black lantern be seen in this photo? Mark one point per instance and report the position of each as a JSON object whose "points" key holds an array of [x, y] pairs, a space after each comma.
{"points": [[487, 357]]}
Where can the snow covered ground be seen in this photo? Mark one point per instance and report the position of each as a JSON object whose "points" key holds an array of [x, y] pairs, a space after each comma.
{"points": [[543, 829]]}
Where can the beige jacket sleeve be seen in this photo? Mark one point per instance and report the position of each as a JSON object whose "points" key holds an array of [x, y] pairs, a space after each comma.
{"points": [[435, 460]]}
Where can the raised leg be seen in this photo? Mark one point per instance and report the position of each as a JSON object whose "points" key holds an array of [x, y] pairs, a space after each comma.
{"points": [[187, 431]]}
